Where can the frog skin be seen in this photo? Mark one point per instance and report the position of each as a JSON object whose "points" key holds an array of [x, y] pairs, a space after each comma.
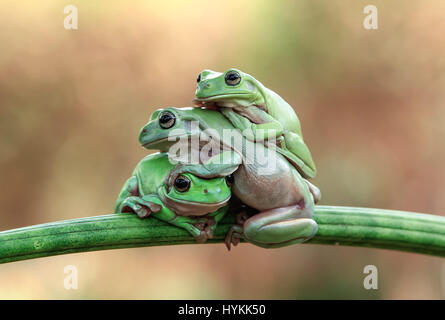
{"points": [[250, 106], [284, 199], [185, 196]]}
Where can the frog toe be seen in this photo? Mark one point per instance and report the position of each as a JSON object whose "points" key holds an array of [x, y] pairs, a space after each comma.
{"points": [[202, 237], [141, 212], [233, 236]]}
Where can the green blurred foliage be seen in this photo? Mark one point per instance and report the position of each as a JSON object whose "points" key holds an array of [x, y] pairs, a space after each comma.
{"points": [[372, 106]]}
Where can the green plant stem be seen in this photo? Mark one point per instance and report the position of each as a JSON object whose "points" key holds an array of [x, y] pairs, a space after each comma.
{"points": [[387, 229]]}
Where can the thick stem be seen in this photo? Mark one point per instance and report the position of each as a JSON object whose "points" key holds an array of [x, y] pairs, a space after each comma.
{"points": [[387, 229]]}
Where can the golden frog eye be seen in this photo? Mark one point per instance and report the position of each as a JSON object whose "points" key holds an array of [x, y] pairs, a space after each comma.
{"points": [[182, 183], [167, 120], [232, 78]]}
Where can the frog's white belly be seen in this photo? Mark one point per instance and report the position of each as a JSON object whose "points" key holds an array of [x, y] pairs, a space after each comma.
{"points": [[281, 187]]}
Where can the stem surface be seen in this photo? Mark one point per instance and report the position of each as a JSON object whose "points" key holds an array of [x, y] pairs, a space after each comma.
{"points": [[365, 227]]}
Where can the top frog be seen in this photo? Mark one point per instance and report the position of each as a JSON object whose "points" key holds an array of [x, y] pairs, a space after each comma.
{"points": [[250, 105]]}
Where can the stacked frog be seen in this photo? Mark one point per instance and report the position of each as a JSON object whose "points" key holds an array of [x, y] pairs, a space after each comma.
{"points": [[263, 175]]}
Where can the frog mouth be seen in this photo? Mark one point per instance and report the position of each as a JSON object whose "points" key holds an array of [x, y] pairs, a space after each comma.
{"points": [[149, 144], [221, 96], [191, 208], [166, 139]]}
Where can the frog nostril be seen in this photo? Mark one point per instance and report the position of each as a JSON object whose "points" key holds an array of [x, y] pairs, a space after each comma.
{"points": [[206, 191], [207, 85]]}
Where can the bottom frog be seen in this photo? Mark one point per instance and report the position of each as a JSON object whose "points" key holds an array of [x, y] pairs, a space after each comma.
{"points": [[190, 197]]}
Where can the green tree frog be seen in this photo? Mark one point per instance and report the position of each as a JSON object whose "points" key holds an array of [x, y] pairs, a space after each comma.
{"points": [[256, 111], [284, 199], [186, 196]]}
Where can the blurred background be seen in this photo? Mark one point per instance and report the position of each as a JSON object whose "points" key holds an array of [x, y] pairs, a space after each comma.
{"points": [[371, 103]]}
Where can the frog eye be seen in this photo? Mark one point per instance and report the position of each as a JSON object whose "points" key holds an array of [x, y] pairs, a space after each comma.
{"points": [[230, 179], [167, 119], [232, 78], [199, 78], [182, 183]]}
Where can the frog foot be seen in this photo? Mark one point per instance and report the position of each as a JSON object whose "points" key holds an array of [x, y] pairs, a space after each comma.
{"points": [[233, 236], [236, 231], [205, 228]]}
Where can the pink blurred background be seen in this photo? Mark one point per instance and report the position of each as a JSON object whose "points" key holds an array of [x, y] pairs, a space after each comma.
{"points": [[371, 103]]}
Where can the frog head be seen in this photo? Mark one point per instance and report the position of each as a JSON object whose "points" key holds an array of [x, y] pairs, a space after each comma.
{"points": [[179, 122], [165, 123], [188, 194], [233, 87]]}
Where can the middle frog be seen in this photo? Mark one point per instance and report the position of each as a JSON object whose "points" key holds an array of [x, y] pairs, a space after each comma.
{"points": [[265, 180]]}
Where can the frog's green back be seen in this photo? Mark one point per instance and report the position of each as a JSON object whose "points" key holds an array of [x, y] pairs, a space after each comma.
{"points": [[296, 150], [282, 111], [208, 118], [152, 171]]}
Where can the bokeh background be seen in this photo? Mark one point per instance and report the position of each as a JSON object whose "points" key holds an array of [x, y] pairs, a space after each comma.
{"points": [[372, 106]]}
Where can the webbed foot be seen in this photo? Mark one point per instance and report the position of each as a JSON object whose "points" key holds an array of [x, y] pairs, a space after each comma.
{"points": [[205, 227]]}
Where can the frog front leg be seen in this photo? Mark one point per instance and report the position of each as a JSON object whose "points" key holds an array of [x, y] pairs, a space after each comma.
{"points": [[139, 206], [129, 200], [213, 219], [129, 189], [152, 205], [295, 144], [195, 226], [267, 127]]}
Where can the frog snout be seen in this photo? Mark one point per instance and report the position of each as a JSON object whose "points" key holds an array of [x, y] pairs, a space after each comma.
{"points": [[204, 85], [215, 191]]}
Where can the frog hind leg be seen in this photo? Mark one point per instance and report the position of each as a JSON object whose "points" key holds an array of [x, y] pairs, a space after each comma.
{"points": [[316, 193], [276, 227], [296, 151], [198, 227]]}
